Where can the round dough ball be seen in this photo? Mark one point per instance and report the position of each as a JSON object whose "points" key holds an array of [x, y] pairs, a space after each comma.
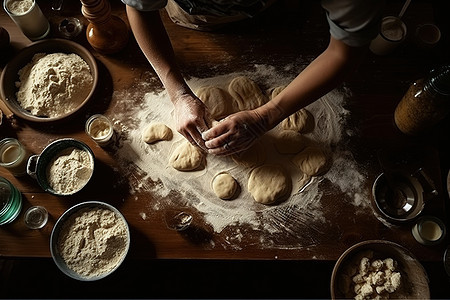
{"points": [[269, 184], [312, 161], [301, 121], [290, 142], [246, 93], [156, 132], [218, 101], [186, 157], [224, 186]]}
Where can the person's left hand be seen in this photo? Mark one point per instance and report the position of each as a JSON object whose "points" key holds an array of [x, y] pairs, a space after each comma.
{"points": [[235, 133]]}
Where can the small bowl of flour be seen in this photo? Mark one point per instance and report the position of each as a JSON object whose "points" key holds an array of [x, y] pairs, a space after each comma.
{"points": [[63, 168], [90, 241], [49, 80]]}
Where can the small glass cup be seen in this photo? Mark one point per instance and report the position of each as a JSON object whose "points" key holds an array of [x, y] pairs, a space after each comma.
{"points": [[10, 201], [427, 35], [429, 230], [393, 33], [13, 156], [36, 217], [100, 129], [29, 17]]}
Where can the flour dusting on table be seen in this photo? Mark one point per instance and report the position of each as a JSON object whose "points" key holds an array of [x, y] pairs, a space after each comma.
{"points": [[302, 215]]}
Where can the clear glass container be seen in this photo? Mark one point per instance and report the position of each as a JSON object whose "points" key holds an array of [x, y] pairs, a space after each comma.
{"points": [[36, 217], [10, 201], [100, 129], [13, 156]]}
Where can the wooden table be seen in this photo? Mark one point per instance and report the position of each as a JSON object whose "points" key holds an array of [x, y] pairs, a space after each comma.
{"points": [[289, 31]]}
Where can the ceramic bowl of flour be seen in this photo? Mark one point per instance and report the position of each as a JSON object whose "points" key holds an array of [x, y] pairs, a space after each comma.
{"points": [[90, 241], [63, 168], [58, 79], [378, 268]]}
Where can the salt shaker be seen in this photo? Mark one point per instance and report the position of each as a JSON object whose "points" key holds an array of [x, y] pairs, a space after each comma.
{"points": [[426, 102]]}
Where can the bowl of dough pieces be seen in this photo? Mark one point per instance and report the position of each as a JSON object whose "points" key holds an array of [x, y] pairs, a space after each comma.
{"points": [[49, 80], [90, 241], [378, 269]]}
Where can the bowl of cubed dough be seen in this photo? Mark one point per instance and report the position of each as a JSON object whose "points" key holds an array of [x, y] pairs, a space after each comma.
{"points": [[49, 80], [378, 269]]}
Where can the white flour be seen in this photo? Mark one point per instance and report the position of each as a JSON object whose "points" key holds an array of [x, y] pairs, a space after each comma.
{"points": [[93, 242], [69, 171], [54, 84], [304, 209]]}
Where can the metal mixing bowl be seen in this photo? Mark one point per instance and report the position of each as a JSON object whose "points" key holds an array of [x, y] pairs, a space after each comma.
{"points": [[414, 277], [37, 164], [10, 75], [54, 237]]}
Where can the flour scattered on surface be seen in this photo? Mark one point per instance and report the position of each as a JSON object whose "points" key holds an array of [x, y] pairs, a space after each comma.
{"points": [[54, 84], [301, 216]]}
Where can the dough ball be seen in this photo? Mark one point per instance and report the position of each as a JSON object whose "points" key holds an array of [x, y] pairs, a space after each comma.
{"points": [[276, 91], [186, 157], [156, 132], [312, 161], [290, 142], [224, 186], [252, 157], [301, 121], [218, 101], [269, 184], [246, 93]]}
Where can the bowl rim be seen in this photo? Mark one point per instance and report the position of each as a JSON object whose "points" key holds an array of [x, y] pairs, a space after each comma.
{"points": [[364, 245], [56, 231], [52, 45]]}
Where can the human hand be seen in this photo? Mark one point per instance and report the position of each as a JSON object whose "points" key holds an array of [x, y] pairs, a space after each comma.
{"points": [[191, 118], [235, 133]]}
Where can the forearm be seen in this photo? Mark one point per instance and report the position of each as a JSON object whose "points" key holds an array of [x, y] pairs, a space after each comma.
{"points": [[318, 78], [154, 42]]}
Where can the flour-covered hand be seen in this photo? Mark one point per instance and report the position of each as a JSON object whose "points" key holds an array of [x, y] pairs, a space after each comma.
{"points": [[235, 133], [192, 119]]}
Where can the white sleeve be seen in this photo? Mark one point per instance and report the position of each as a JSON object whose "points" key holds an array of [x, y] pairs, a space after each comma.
{"points": [[355, 22], [146, 5]]}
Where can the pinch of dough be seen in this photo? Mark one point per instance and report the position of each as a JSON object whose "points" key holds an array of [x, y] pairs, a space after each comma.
{"points": [[252, 157], [218, 101], [186, 157], [290, 142], [224, 186], [246, 93], [312, 161], [156, 132], [269, 184], [301, 121]]}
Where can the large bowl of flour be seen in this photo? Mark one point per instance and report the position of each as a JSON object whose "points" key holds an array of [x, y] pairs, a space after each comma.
{"points": [[90, 240], [49, 80]]}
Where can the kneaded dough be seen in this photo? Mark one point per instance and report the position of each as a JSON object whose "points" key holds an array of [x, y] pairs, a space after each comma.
{"points": [[277, 90], [252, 157], [224, 186], [312, 161], [218, 101], [186, 157], [246, 93], [301, 121], [156, 132], [269, 184], [290, 142]]}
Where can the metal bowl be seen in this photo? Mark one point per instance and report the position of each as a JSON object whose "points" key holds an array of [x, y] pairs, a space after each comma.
{"points": [[37, 164], [54, 238], [400, 200], [414, 281], [10, 75]]}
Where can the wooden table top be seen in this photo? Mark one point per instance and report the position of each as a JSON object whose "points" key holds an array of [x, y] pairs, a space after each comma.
{"points": [[291, 33]]}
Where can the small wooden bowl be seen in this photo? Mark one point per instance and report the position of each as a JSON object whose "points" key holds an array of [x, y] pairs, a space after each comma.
{"points": [[10, 75]]}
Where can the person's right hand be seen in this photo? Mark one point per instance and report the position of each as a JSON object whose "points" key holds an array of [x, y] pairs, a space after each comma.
{"points": [[191, 118]]}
